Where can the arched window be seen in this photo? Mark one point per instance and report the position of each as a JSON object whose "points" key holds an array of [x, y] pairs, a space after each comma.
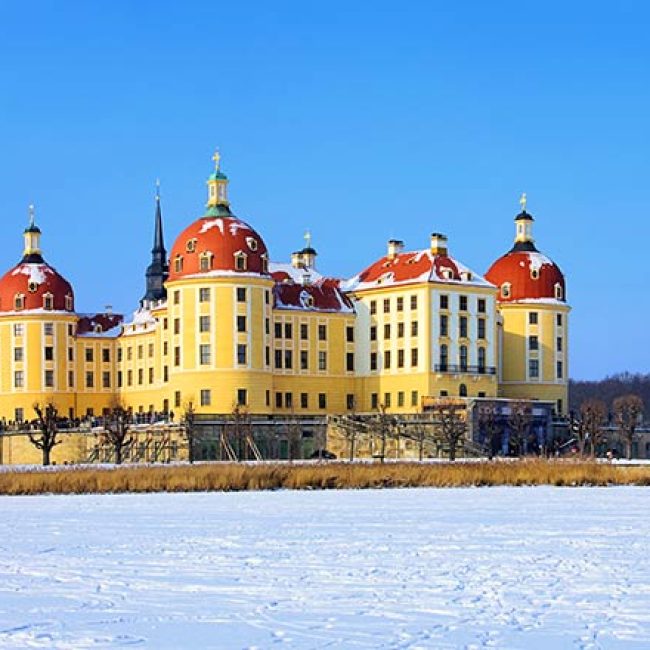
{"points": [[205, 263], [19, 301], [505, 290], [559, 294], [481, 360], [265, 263], [462, 390], [178, 264], [463, 358], [240, 261], [48, 301], [444, 357], [68, 302]]}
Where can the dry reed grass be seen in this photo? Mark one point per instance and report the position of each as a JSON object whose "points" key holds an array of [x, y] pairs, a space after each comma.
{"points": [[303, 476]]}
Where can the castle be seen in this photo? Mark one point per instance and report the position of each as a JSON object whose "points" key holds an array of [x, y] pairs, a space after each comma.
{"points": [[221, 325]]}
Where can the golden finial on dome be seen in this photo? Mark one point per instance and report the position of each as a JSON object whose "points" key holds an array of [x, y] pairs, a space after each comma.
{"points": [[523, 201], [217, 159]]}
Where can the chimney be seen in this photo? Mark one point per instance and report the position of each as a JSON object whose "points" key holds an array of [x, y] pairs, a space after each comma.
{"points": [[108, 309], [438, 244], [395, 246]]}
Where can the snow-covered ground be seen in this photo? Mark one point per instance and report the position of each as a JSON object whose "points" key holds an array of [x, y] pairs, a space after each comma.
{"points": [[526, 568]]}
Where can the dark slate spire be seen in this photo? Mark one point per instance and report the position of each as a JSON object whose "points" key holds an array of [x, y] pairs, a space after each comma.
{"points": [[158, 270]]}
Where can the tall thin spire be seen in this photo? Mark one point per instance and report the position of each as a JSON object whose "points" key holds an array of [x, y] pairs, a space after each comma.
{"points": [[32, 237], [158, 270]]}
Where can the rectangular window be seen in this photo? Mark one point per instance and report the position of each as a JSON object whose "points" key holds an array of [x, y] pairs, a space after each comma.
{"points": [[19, 414], [387, 360], [414, 357], [48, 329], [204, 294], [177, 356], [129, 353], [151, 348], [140, 351], [241, 323], [165, 348], [18, 354], [533, 368], [71, 354], [304, 360], [288, 359], [444, 325], [277, 326], [89, 354], [480, 328], [241, 294], [140, 376], [288, 331], [374, 401], [400, 398], [267, 398], [373, 361], [267, 296], [106, 379], [387, 400], [165, 373], [177, 325], [19, 379], [414, 328], [204, 354], [373, 306], [481, 305], [349, 401], [462, 303], [177, 297], [532, 318], [304, 400], [288, 400], [267, 355], [414, 398], [322, 401], [71, 379], [386, 305], [204, 323], [90, 379], [177, 399], [400, 304], [387, 331], [349, 334], [49, 379], [129, 378], [278, 400], [444, 302], [278, 358], [349, 361], [400, 330], [18, 329], [373, 332], [558, 320], [206, 397], [559, 370], [558, 344], [267, 325], [533, 343], [106, 355], [400, 358], [322, 360], [241, 354], [322, 332], [462, 327], [304, 331], [414, 302]]}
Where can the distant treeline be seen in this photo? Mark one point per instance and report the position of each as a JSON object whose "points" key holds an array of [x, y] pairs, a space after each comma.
{"points": [[610, 388]]}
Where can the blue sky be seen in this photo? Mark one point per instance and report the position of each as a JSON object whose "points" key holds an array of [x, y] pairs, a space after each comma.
{"points": [[360, 121]]}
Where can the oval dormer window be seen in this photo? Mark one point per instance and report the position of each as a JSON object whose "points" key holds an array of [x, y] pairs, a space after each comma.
{"points": [[190, 247], [32, 287], [252, 243], [534, 274]]}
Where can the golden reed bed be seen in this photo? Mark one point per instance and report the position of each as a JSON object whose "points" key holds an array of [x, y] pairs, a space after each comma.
{"points": [[304, 476]]}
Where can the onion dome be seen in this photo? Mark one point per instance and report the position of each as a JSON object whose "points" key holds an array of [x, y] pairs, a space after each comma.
{"points": [[523, 273], [218, 243], [33, 284]]}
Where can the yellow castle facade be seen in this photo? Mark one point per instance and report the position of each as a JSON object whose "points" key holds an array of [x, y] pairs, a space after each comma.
{"points": [[222, 325]]}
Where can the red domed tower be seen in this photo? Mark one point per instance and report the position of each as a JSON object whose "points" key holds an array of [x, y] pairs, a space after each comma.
{"points": [[534, 312], [37, 313]]}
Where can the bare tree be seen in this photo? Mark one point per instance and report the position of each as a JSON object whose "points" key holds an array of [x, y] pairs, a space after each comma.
{"points": [[46, 438], [117, 429], [519, 421], [294, 436], [593, 415], [627, 413], [488, 421], [383, 426], [451, 423], [189, 429]]}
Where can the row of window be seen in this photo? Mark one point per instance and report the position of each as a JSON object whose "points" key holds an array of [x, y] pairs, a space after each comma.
{"points": [[48, 299], [285, 400], [534, 368], [533, 343], [533, 318], [463, 328], [481, 304], [463, 358], [506, 289], [205, 293]]}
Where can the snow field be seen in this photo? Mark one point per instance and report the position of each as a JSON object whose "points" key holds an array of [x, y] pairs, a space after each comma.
{"points": [[522, 568]]}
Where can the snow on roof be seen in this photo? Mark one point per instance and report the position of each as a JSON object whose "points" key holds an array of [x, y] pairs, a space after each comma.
{"points": [[323, 295], [35, 272], [414, 267], [282, 272], [100, 325]]}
